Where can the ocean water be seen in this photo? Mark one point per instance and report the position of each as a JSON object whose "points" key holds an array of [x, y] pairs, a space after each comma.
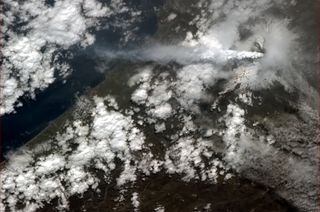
{"points": [[36, 114]]}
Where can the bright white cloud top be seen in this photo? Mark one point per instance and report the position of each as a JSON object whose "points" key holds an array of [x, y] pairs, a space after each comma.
{"points": [[34, 33], [200, 107]]}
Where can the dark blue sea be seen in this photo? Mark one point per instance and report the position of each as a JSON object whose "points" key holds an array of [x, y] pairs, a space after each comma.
{"points": [[36, 114]]}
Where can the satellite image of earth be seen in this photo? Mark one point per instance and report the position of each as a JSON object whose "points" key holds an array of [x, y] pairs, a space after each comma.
{"points": [[159, 105]]}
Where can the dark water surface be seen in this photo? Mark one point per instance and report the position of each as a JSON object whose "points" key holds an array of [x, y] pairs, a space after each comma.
{"points": [[35, 115], [169, 191]]}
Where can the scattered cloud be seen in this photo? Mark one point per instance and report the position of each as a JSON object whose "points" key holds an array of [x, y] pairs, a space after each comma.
{"points": [[115, 138], [30, 52]]}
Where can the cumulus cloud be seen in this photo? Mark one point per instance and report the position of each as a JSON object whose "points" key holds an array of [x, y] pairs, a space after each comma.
{"points": [[113, 138], [245, 148], [111, 135], [187, 86], [233, 31], [30, 52], [185, 158], [251, 26], [280, 43], [62, 170]]}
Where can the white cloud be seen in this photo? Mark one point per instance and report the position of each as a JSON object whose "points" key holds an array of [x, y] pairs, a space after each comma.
{"points": [[135, 201], [193, 80], [195, 53], [171, 17], [110, 136], [49, 164], [221, 27], [159, 209], [140, 95], [235, 128], [29, 61], [112, 139], [186, 157], [160, 127], [188, 87]]}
